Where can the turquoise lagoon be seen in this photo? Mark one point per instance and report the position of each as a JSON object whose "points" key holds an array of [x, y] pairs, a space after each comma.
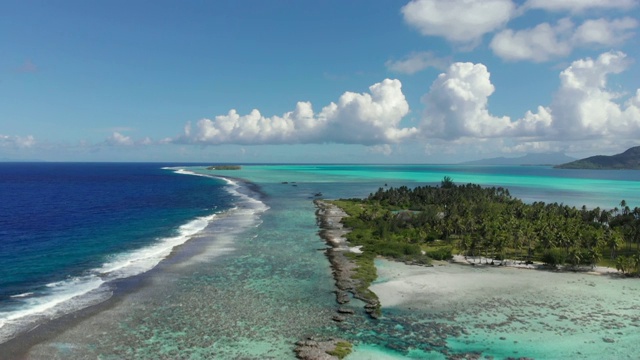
{"points": [[255, 281]]}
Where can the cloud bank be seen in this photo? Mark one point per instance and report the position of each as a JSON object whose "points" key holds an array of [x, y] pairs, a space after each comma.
{"points": [[456, 108], [357, 118], [118, 139], [582, 108], [578, 6], [465, 22], [14, 141], [459, 21], [547, 41]]}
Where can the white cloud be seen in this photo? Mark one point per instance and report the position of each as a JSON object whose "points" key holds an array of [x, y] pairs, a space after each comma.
{"points": [[605, 32], [367, 118], [118, 139], [415, 62], [545, 41], [460, 21], [464, 22], [576, 6], [540, 43], [457, 104], [582, 108], [533, 147], [384, 149], [13, 141]]}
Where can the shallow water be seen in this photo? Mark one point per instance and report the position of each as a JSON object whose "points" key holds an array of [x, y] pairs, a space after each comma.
{"points": [[507, 312], [251, 284], [235, 291]]}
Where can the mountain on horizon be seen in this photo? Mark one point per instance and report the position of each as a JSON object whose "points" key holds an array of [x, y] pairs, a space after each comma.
{"points": [[630, 159], [552, 158]]}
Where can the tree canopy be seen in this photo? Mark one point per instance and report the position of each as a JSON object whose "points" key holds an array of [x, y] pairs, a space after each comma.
{"points": [[401, 223]]}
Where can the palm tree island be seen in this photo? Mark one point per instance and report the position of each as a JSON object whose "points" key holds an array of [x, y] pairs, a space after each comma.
{"points": [[434, 222]]}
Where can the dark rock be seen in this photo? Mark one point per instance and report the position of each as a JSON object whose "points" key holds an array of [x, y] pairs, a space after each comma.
{"points": [[316, 349], [342, 297], [345, 311]]}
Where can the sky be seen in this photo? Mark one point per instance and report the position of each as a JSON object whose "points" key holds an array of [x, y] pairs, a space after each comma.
{"points": [[332, 81]]}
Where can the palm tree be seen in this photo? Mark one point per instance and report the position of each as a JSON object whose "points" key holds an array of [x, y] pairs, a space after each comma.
{"points": [[613, 240], [624, 207]]}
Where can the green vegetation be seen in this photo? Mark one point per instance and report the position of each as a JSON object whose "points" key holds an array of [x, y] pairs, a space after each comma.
{"points": [[366, 272], [341, 350], [224, 167], [629, 159], [433, 222]]}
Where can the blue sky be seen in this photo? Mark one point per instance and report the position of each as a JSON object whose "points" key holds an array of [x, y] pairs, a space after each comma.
{"points": [[422, 81]]}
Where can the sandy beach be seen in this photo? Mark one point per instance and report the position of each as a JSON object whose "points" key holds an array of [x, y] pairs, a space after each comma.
{"points": [[510, 311]]}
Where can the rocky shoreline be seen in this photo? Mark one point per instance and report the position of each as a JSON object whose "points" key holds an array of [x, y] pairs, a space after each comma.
{"points": [[322, 349], [333, 232], [329, 218]]}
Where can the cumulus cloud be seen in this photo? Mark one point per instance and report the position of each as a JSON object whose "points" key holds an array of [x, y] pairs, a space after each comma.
{"points": [[605, 32], [457, 104], [465, 22], [13, 141], [582, 108], [545, 41], [357, 118], [118, 139], [540, 43], [415, 62], [459, 21], [579, 5]]}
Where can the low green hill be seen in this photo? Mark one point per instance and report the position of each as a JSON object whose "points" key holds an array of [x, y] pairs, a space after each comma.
{"points": [[629, 159]]}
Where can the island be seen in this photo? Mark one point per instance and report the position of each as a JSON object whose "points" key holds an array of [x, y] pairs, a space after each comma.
{"points": [[224, 167], [483, 225], [428, 254], [630, 160], [537, 159]]}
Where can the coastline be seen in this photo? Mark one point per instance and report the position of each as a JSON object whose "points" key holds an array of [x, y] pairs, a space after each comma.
{"points": [[20, 346], [457, 309], [43, 334], [333, 232], [596, 270], [512, 312]]}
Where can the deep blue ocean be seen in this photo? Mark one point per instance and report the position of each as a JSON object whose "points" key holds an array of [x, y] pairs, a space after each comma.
{"points": [[67, 228]]}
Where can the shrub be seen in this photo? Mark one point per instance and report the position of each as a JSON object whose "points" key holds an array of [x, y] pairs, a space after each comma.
{"points": [[341, 350], [441, 253], [554, 257]]}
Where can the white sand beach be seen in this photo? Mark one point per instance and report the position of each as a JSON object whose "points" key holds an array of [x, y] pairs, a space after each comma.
{"points": [[510, 311]]}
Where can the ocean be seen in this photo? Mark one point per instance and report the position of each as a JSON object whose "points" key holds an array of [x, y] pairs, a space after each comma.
{"points": [[225, 264]]}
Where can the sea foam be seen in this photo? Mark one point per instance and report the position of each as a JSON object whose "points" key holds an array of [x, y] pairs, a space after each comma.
{"points": [[63, 297]]}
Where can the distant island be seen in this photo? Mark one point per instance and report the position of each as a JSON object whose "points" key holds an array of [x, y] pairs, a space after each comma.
{"points": [[551, 158], [629, 159], [224, 167]]}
